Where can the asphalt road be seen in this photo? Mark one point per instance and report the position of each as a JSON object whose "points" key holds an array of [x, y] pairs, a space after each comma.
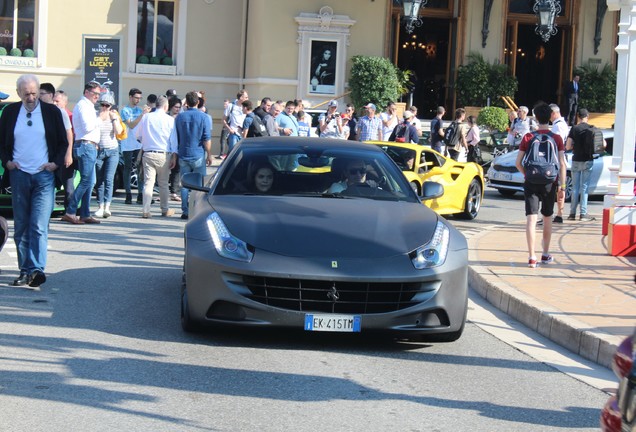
{"points": [[99, 348]]}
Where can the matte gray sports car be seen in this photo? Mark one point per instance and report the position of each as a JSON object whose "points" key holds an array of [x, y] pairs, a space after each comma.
{"points": [[320, 235]]}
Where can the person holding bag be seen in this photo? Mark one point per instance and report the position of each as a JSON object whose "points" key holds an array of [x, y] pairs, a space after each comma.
{"points": [[112, 129]]}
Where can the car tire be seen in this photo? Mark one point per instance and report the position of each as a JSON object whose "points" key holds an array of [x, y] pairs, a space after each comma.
{"points": [[472, 204], [506, 192], [568, 187], [187, 323]]}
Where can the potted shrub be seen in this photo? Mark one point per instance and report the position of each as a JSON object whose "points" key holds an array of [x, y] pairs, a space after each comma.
{"points": [[478, 80], [373, 79], [598, 93]]}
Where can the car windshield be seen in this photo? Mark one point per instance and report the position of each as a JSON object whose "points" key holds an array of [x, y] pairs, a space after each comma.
{"points": [[319, 171]]}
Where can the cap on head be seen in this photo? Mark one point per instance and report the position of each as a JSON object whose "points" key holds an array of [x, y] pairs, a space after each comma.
{"points": [[333, 103], [408, 114], [371, 106], [3, 96], [171, 92]]}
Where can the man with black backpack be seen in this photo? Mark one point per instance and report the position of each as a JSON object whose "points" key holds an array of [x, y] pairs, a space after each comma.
{"points": [[541, 160], [581, 141], [405, 132]]}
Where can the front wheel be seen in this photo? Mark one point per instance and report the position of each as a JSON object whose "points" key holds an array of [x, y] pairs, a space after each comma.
{"points": [[568, 186], [473, 200], [187, 323]]}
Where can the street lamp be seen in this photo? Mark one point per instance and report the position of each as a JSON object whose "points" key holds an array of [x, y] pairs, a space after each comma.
{"points": [[546, 12], [412, 14]]}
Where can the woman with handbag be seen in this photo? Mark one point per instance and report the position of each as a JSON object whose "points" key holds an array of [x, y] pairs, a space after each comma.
{"points": [[472, 138], [112, 129]]}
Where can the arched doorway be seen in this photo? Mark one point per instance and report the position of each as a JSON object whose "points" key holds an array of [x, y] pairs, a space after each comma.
{"points": [[541, 67], [425, 53]]}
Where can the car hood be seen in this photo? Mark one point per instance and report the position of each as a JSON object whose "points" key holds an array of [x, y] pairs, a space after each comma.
{"points": [[507, 159], [327, 227]]}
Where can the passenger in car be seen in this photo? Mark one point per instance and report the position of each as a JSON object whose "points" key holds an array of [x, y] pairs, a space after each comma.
{"points": [[260, 178]]}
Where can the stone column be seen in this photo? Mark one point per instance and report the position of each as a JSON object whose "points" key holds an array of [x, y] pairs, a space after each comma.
{"points": [[619, 213]]}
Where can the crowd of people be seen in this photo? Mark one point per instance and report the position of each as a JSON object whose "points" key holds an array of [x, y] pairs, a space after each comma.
{"points": [[43, 145]]}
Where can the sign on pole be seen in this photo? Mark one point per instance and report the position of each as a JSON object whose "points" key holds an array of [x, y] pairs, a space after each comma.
{"points": [[101, 63]]}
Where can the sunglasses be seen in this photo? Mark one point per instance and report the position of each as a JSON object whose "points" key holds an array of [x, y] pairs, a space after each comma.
{"points": [[354, 171], [104, 105], [29, 122]]}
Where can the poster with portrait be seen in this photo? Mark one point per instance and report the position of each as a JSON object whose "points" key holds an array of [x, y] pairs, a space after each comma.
{"points": [[322, 71], [101, 63]]}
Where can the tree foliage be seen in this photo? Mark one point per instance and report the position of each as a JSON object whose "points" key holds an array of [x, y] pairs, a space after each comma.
{"points": [[479, 80], [375, 80], [598, 87]]}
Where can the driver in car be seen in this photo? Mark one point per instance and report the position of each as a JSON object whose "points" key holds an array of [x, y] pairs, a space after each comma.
{"points": [[355, 173]]}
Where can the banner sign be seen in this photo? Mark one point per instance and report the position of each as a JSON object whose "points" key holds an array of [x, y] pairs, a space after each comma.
{"points": [[101, 64]]}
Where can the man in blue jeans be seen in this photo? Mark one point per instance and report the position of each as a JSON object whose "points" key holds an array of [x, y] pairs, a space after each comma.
{"points": [[33, 144], [194, 130], [233, 119], [582, 162], [87, 134]]}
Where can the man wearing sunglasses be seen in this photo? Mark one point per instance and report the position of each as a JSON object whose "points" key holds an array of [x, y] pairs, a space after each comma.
{"points": [[87, 136], [354, 174], [33, 144]]}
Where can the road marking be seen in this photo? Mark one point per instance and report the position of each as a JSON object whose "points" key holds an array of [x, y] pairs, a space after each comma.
{"points": [[508, 330]]}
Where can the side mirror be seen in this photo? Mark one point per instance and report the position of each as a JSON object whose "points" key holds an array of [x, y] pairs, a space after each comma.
{"points": [[194, 181], [431, 190]]}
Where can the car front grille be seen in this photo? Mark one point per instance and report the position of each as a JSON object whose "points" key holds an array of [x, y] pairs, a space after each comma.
{"points": [[504, 168], [335, 296]]}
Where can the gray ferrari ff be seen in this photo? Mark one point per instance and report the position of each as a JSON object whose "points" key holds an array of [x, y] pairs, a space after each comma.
{"points": [[320, 235]]}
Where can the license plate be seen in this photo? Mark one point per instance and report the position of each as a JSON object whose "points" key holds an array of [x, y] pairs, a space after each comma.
{"points": [[332, 323], [503, 176]]}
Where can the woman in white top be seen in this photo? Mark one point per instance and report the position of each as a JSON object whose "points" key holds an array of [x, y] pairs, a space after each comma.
{"points": [[107, 160], [472, 139]]}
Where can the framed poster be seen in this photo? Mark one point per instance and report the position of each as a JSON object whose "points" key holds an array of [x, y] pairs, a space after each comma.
{"points": [[322, 71], [323, 40], [101, 63]]}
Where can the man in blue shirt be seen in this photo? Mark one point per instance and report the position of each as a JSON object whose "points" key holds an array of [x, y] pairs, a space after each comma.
{"points": [[194, 131], [287, 122]]}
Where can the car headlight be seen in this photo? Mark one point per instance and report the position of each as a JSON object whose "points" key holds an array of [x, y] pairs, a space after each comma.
{"points": [[433, 253], [225, 243]]}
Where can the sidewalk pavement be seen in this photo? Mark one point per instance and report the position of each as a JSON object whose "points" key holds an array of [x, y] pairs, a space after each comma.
{"points": [[585, 300]]}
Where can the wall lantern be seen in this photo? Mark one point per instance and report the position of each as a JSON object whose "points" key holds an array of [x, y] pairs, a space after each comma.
{"points": [[412, 14], [546, 12]]}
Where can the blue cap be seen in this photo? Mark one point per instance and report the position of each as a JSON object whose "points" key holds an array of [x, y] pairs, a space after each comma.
{"points": [[3, 96], [372, 106]]}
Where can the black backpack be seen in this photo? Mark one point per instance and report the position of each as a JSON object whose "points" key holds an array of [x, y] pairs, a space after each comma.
{"points": [[257, 128], [400, 134], [541, 161], [451, 135], [593, 143]]}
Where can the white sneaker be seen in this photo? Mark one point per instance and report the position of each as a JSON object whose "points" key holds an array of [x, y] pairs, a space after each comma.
{"points": [[99, 213], [107, 213]]}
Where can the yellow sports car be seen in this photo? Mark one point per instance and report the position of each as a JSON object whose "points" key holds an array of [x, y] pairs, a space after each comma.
{"points": [[463, 182]]}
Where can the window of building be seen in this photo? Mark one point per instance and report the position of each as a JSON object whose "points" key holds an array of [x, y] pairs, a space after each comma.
{"points": [[17, 26], [525, 7], [155, 31]]}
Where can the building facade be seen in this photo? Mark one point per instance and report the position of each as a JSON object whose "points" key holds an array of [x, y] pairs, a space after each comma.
{"points": [[288, 49]]}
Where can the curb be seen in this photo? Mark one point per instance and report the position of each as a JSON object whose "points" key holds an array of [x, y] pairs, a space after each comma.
{"points": [[538, 316]]}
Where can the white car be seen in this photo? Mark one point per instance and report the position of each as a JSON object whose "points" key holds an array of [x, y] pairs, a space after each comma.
{"points": [[504, 176]]}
